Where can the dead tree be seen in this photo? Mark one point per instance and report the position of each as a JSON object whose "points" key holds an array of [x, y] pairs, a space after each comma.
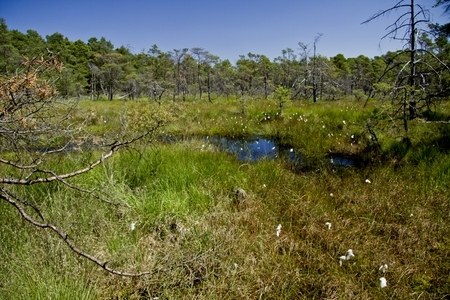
{"points": [[406, 28]]}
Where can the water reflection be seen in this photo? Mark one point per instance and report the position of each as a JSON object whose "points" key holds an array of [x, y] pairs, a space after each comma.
{"points": [[247, 150], [340, 161], [258, 148]]}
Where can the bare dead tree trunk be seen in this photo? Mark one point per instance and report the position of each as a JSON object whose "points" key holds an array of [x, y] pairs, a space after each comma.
{"points": [[266, 92], [209, 85], [314, 83], [407, 23], [412, 75]]}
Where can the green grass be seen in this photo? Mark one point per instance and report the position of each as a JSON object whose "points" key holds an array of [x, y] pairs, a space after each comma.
{"points": [[202, 242]]}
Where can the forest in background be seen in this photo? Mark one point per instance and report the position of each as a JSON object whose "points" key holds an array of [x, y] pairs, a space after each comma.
{"points": [[97, 69]]}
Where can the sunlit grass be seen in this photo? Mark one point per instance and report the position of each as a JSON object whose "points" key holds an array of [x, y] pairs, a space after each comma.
{"points": [[179, 214]]}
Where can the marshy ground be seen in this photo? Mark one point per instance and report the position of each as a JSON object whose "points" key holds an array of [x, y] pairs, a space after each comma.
{"points": [[180, 217]]}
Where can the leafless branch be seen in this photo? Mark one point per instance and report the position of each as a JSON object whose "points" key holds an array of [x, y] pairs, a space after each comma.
{"points": [[114, 148], [402, 22], [74, 187], [36, 210], [65, 237], [385, 12], [17, 166], [436, 58]]}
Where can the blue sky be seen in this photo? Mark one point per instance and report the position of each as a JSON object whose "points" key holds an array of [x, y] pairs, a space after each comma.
{"points": [[224, 28]]}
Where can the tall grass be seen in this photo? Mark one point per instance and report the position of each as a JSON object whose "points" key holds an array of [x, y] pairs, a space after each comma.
{"points": [[203, 241]]}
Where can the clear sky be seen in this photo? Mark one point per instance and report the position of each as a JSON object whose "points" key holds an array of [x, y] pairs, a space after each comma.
{"points": [[224, 28]]}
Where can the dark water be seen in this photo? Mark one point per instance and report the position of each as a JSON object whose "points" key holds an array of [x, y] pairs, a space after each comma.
{"points": [[258, 148], [247, 150], [342, 161], [251, 150]]}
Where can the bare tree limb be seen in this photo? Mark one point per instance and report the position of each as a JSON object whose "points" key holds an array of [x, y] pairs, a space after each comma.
{"points": [[30, 114], [114, 148], [384, 12], [7, 162], [65, 237], [74, 187]]}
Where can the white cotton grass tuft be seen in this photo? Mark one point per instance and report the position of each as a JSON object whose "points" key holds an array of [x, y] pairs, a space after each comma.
{"points": [[368, 181], [350, 254], [278, 229], [341, 259], [383, 268], [328, 225], [132, 226], [346, 257], [383, 282]]}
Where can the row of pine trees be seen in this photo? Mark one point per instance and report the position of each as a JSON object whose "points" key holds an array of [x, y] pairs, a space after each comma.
{"points": [[97, 70]]}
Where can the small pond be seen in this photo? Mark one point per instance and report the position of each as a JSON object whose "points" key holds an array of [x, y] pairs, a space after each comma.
{"points": [[254, 149]]}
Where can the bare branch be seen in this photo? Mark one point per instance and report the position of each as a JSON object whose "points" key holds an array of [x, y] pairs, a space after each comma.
{"points": [[436, 58], [36, 210], [386, 11], [74, 187], [114, 148], [7, 162], [65, 237]]}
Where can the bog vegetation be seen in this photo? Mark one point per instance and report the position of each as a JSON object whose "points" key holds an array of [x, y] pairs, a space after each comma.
{"points": [[111, 188]]}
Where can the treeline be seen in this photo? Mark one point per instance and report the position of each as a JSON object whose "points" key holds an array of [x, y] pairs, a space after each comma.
{"points": [[97, 69]]}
